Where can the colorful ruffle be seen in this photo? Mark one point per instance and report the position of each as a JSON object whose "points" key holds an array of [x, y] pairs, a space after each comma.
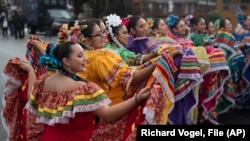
{"points": [[52, 108], [13, 99], [213, 86], [33, 54]]}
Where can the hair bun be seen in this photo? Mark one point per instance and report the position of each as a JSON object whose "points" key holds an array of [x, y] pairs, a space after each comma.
{"points": [[51, 48]]}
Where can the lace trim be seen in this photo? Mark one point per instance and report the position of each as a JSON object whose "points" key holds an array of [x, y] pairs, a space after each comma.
{"points": [[66, 115]]}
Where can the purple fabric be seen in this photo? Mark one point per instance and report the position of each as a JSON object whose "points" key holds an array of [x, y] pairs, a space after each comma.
{"points": [[179, 115], [182, 106], [140, 45]]}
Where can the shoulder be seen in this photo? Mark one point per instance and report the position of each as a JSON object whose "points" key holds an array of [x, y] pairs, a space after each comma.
{"points": [[102, 54]]}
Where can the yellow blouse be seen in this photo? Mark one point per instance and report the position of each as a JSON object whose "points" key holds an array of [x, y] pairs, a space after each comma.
{"points": [[107, 69]]}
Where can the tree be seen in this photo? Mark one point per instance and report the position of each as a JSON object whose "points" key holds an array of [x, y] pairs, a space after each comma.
{"points": [[104, 7], [213, 16]]}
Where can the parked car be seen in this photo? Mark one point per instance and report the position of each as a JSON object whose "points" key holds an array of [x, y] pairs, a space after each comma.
{"points": [[60, 17]]}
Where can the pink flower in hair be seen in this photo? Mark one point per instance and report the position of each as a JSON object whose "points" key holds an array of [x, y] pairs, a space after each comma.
{"points": [[125, 21]]}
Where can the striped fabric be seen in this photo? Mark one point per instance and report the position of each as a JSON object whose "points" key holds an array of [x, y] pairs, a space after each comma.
{"points": [[33, 54], [13, 99], [188, 76], [141, 45], [184, 42], [59, 108], [223, 37], [62, 34], [213, 86]]}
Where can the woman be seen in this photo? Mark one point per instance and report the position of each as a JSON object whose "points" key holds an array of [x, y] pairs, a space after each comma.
{"points": [[241, 31], [237, 60], [199, 36], [118, 37], [121, 82], [68, 109], [211, 61], [211, 31]]}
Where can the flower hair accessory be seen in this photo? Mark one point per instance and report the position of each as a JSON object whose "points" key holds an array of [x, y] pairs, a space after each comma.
{"points": [[125, 21], [172, 19], [150, 22], [75, 34], [240, 20], [217, 23], [113, 20], [187, 19]]}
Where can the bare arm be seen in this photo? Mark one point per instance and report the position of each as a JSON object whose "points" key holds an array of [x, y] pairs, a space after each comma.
{"points": [[147, 57], [31, 75], [111, 113], [140, 75]]}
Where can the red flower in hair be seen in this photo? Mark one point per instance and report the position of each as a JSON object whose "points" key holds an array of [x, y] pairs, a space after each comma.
{"points": [[125, 21]]}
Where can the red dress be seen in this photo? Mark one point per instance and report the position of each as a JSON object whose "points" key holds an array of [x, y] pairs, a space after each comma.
{"points": [[66, 115]]}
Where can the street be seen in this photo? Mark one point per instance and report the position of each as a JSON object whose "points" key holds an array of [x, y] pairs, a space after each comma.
{"points": [[10, 47]]}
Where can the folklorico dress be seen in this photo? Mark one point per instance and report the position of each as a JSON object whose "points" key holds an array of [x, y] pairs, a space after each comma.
{"points": [[66, 115], [131, 58], [185, 77], [213, 67], [106, 68], [199, 38], [238, 61], [14, 98]]}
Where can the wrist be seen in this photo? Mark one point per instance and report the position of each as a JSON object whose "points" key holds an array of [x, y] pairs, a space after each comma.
{"points": [[155, 54], [137, 101]]}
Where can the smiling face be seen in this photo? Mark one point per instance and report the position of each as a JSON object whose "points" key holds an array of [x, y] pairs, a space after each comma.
{"points": [[228, 25], [180, 28], [105, 32], [77, 59], [122, 35], [211, 28], [200, 26], [161, 28], [141, 28], [96, 38]]}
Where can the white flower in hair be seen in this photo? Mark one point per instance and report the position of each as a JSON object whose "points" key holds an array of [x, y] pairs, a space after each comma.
{"points": [[113, 20]]}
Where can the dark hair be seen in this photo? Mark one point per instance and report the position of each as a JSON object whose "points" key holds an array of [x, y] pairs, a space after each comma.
{"points": [[87, 32], [71, 24], [97, 21], [155, 23], [114, 31], [132, 22], [195, 20], [171, 27], [223, 23], [61, 50], [207, 24]]}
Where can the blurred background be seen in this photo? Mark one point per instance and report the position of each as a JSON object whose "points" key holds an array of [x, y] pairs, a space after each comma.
{"points": [[84, 9]]}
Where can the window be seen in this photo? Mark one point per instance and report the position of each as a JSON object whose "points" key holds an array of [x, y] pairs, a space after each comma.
{"points": [[54, 2], [61, 2], [243, 7], [226, 1], [245, 1], [46, 2]]}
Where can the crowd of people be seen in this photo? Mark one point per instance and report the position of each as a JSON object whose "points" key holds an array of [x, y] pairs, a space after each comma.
{"points": [[13, 24], [104, 77]]}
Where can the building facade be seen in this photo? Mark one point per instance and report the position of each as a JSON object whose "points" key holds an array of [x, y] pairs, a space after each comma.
{"points": [[162, 8]]}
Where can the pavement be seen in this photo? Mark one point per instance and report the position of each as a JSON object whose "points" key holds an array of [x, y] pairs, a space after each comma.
{"points": [[9, 48]]}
